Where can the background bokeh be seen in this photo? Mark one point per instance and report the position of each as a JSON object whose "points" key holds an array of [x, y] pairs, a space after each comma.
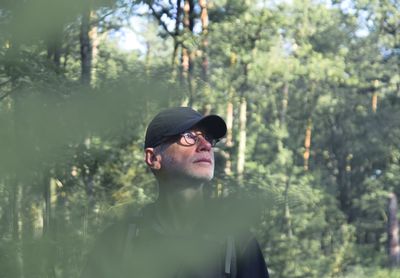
{"points": [[310, 91]]}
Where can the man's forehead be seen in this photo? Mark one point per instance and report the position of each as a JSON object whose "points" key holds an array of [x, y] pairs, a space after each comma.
{"points": [[199, 129]]}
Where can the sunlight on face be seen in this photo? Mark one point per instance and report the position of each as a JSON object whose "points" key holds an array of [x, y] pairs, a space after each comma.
{"points": [[188, 162]]}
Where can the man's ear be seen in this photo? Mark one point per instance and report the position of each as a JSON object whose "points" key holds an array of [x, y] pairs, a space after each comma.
{"points": [[152, 159]]}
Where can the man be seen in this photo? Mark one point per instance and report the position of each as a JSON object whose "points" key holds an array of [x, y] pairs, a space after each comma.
{"points": [[181, 234]]}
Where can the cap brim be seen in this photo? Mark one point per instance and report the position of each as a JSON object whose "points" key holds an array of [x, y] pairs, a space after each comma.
{"points": [[213, 124]]}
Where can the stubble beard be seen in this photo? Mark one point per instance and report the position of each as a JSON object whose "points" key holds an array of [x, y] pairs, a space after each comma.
{"points": [[189, 171]]}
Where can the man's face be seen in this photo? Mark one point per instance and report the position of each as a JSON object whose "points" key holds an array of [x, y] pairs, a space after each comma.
{"points": [[184, 160]]}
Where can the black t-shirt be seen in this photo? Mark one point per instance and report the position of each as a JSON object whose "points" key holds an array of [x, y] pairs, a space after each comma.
{"points": [[139, 247]]}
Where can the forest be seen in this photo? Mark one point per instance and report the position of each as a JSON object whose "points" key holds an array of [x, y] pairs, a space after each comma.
{"points": [[310, 92]]}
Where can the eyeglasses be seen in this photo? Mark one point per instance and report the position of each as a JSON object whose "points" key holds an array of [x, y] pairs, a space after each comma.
{"points": [[191, 138]]}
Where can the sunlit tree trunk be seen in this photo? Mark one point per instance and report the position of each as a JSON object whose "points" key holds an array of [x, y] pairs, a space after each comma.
{"points": [[204, 45], [37, 210], [311, 100], [15, 184], [374, 98], [17, 225], [229, 122], [94, 38], [242, 138], [307, 144], [187, 56], [204, 53], [16, 210], [374, 102], [185, 52], [49, 229], [393, 232], [229, 138], [241, 158], [50, 200]]}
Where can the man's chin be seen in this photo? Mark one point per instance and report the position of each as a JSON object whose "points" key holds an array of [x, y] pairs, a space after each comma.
{"points": [[200, 178]]}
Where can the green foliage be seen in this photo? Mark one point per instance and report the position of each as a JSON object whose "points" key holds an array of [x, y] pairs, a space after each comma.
{"points": [[358, 272], [71, 155]]}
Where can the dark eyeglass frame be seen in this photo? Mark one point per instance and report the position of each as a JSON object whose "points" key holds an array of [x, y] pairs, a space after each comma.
{"points": [[196, 138]]}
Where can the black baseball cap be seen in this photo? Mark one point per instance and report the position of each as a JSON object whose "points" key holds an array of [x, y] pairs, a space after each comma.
{"points": [[176, 120]]}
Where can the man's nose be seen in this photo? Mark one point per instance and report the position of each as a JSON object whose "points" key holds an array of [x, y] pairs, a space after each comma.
{"points": [[203, 144]]}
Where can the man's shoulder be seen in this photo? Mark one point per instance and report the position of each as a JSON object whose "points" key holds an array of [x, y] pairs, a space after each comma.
{"points": [[114, 233]]}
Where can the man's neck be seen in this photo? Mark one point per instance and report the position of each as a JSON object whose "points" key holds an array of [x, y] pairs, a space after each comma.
{"points": [[179, 207]]}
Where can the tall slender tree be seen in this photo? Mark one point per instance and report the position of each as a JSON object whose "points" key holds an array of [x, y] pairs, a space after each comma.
{"points": [[86, 45]]}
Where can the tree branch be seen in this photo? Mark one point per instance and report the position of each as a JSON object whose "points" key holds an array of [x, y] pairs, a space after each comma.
{"points": [[5, 95], [158, 17], [98, 20], [5, 82]]}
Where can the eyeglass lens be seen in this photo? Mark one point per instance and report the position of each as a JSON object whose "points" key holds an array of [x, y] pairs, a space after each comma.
{"points": [[192, 139]]}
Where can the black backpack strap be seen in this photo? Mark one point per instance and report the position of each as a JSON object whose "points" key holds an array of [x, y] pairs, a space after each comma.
{"points": [[230, 258], [133, 232], [133, 226]]}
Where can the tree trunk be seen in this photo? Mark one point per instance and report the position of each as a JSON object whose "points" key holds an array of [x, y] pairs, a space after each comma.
{"points": [[17, 226], [16, 188], [285, 100], [95, 40], [184, 65], [229, 122], [37, 209], [393, 232], [307, 144], [54, 52], [90, 204], [242, 139], [311, 100], [6, 216], [204, 45], [187, 56], [66, 55], [175, 59], [147, 58], [287, 216], [16, 211], [188, 15], [49, 227], [229, 138], [242, 125], [185, 51], [50, 200], [85, 48], [374, 102]]}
